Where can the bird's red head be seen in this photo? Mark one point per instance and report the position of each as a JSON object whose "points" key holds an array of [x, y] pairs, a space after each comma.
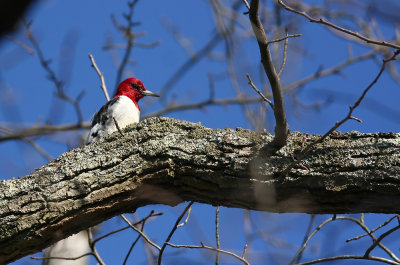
{"points": [[134, 89]]}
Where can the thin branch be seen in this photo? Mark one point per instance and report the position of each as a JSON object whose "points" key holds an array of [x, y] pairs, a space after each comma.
{"points": [[246, 4], [101, 75], [112, 46], [62, 258], [143, 221], [211, 248], [388, 261], [373, 230], [22, 45], [368, 251], [195, 58], [152, 214], [146, 238], [244, 251], [284, 53], [188, 64], [329, 24], [130, 36], [184, 42], [202, 104], [118, 128], [43, 130], [93, 247], [40, 150], [110, 233], [186, 219], [259, 92], [310, 225], [358, 222], [35, 146], [212, 86], [329, 71], [51, 74], [217, 234], [281, 126], [173, 231], [284, 38]]}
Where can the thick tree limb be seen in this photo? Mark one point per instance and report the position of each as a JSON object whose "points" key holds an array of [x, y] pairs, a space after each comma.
{"points": [[167, 161]]}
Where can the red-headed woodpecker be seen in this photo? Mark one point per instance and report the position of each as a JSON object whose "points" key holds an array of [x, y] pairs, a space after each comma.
{"points": [[120, 111], [123, 110]]}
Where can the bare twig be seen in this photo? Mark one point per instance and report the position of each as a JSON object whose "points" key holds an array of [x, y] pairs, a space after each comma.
{"points": [[284, 53], [194, 59], [143, 221], [118, 128], [186, 219], [62, 258], [35, 146], [152, 214], [130, 36], [284, 38], [246, 4], [173, 231], [184, 42], [42, 130], [310, 225], [373, 230], [101, 75], [22, 45], [52, 75], [188, 64], [92, 246], [212, 86], [110, 46], [377, 241], [329, 24], [217, 234], [133, 245], [259, 92], [329, 71], [40, 150], [202, 246], [202, 104], [388, 261], [244, 251], [360, 224], [146, 238]]}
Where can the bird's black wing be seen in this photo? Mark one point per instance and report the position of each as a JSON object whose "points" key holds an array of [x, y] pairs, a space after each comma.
{"points": [[100, 117]]}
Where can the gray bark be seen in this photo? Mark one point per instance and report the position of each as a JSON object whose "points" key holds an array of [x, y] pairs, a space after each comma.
{"points": [[167, 161]]}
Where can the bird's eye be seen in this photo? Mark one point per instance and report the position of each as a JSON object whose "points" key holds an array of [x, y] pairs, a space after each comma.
{"points": [[136, 87]]}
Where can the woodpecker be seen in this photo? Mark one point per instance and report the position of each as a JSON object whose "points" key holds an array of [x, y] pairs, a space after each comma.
{"points": [[120, 111]]}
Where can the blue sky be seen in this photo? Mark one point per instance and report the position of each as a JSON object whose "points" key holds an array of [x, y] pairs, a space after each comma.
{"points": [[68, 30]]}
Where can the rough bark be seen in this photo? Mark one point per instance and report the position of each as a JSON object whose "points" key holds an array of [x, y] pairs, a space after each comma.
{"points": [[167, 161]]}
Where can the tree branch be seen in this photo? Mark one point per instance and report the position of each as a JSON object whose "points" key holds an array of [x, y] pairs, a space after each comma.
{"points": [[166, 161], [281, 127]]}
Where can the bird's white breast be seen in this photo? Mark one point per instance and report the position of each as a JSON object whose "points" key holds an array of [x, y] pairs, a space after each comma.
{"points": [[123, 110]]}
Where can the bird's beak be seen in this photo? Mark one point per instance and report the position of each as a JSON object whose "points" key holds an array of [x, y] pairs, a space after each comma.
{"points": [[149, 93]]}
